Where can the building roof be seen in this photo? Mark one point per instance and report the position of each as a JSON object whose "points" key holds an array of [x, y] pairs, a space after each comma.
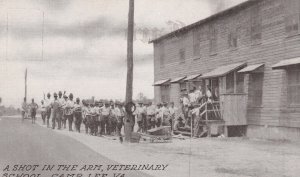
{"points": [[191, 77], [178, 79], [286, 63], [223, 70], [161, 82], [210, 18], [251, 68]]}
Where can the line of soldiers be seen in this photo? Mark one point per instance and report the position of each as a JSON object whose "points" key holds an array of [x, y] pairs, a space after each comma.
{"points": [[102, 117]]}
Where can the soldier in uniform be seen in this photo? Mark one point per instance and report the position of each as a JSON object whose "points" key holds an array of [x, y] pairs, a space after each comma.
{"points": [[77, 114], [60, 109], [139, 114], [43, 112], [64, 116], [165, 115], [47, 102], [69, 111], [93, 119], [113, 119], [106, 111], [120, 114], [85, 111], [24, 109], [99, 121], [33, 107], [158, 115], [150, 116], [55, 106]]}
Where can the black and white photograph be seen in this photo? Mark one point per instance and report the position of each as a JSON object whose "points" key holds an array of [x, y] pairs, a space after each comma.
{"points": [[149, 88]]}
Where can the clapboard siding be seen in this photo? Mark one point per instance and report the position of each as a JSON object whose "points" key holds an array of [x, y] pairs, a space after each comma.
{"points": [[274, 47]]}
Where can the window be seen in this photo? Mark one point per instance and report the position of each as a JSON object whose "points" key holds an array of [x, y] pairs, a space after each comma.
{"points": [[213, 40], [165, 93], [230, 83], [294, 86], [182, 55], [196, 44], [255, 89], [232, 40], [256, 28], [239, 83], [292, 9], [183, 86], [234, 83], [162, 55]]}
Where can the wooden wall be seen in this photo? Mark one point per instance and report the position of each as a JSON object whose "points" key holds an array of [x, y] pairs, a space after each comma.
{"points": [[274, 46]]}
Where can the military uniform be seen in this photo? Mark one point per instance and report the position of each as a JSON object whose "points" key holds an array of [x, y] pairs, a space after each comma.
{"points": [[165, 115], [64, 117], [56, 106], [93, 120], [158, 115], [60, 110], [150, 116], [106, 111], [69, 112], [47, 103], [120, 114], [78, 115], [43, 112]]}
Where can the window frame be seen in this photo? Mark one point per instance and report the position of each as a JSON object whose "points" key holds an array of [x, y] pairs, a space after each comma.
{"points": [[256, 25], [255, 87], [213, 40], [292, 17], [165, 93], [290, 97], [182, 55]]}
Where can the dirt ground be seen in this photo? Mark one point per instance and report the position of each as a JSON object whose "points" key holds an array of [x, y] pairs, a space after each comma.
{"points": [[207, 157]]}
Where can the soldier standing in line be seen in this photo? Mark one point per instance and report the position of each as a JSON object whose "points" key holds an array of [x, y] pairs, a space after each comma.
{"points": [[47, 102], [120, 114], [144, 117], [92, 120], [106, 111], [173, 114], [43, 112], [60, 109], [158, 115], [150, 116], [85, 111], [55, 106], [165, 115], [113, 119], [77, 114], [33, 108], [64, 116], [139, 114], [69, 111], [99, 121]]}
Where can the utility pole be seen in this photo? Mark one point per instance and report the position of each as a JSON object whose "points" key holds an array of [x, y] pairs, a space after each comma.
{"points": [[129, 82], [26, 84]]}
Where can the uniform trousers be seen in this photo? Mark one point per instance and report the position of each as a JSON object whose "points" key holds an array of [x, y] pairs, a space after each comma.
{"points": [[78, 120]]}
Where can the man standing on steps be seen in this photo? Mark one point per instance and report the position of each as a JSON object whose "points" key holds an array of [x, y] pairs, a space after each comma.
{"points": [[47, 103]]}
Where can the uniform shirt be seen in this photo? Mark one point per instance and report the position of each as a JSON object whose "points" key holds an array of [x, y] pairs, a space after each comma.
{"points": [[150, 110], [106, 111], [24, 106], [139, 112], [62, 102], [198, 94], [94, 111], [55, 105], [77, 108], [192, 97], [33, 107], [119, 112], [173, 111], [69, 105], [158, 112], [185, 101], [43, 108], [47, 103], [165, 111]]}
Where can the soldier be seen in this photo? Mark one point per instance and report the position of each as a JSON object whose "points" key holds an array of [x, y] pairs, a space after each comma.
{"points": [[139, 114], [120, 114], [33, 107], [113, 119], [77, 114], [93, 119], [55, 106], [43, 112], [106, 111], [165, 115], [173, 114], [69, 111], [99, 121], [144, 117], [64, 116], [24, 109], [158, 115], [85, 111], [48, 108], [150, 116], [60, 109]]}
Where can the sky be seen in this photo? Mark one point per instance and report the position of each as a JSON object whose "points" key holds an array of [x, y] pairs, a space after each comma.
{"points": [[79, 46]]}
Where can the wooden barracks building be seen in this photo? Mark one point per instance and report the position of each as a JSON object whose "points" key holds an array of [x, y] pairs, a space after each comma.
{"points": [[249, 55]]}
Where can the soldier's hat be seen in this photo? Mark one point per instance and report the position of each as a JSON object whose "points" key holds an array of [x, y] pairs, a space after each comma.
{"points": [[65, 96], [158, 104], [55, 94], [106, 102], [71, 95], [77, 99], [140, 102], [48, 94], [59, 93], [165, 103]]}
